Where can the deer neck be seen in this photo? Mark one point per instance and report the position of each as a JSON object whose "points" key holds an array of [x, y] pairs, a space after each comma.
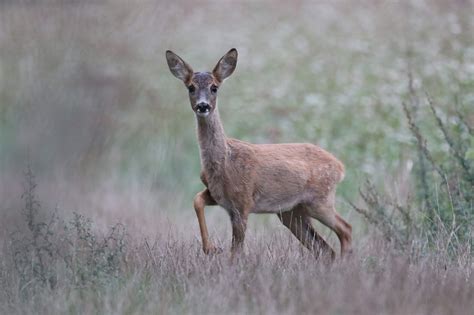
{"points": [[212, 142]]}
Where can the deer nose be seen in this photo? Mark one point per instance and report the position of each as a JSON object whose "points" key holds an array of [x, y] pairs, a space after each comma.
{"points": [[203, 108]]}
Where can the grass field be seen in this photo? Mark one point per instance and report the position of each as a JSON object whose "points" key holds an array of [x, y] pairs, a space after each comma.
{"points": [[99, 159]]}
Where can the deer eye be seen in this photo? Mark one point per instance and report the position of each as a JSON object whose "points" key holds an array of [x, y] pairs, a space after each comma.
{"points": [[191, 89], [214, 89]]}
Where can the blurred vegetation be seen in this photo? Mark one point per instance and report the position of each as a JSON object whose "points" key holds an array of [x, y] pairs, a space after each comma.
{"points": [[85, 86]]}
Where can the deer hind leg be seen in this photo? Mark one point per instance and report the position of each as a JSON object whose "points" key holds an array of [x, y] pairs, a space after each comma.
{"points": [[201, 200], [327, 215], [298, 222]]}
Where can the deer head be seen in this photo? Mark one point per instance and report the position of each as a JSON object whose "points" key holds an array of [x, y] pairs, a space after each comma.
{"points": [[202, 86]]}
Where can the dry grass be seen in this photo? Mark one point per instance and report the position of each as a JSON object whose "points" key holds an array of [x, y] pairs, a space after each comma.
{"points": [[60, 267], [171, 275]]}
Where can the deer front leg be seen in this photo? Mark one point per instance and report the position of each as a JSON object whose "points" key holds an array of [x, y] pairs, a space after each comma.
{"points": [[239, 226], [201, 200]]}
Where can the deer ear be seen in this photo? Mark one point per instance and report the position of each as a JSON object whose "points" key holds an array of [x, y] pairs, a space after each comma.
{"points": [[226, 66], [178, 67]]}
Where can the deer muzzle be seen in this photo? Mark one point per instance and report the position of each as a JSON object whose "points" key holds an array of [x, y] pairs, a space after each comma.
{"points": [[203, 109]]}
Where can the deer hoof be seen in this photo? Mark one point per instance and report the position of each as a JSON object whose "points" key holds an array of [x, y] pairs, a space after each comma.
{"points": [[212, 250]]}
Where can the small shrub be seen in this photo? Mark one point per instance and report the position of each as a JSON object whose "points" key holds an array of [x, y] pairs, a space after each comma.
{"points": [[442, 213], [34, 252], [53, 249], [90, 260]]}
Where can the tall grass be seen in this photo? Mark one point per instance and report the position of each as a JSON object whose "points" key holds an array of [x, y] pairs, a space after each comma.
{"points": [[70, 269]]}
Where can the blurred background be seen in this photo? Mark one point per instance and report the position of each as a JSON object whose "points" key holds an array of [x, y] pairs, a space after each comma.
{"points": [[87, 99]]}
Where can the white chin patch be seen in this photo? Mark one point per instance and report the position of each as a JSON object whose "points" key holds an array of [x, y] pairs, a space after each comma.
{"points": [[204, 113]]}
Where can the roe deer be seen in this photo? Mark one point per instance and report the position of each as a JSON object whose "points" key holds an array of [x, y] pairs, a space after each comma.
{"points": [[296, 181]]}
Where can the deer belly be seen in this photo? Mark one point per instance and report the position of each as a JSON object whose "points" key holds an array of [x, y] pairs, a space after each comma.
{"points": [[279, 202], [280, 189]]}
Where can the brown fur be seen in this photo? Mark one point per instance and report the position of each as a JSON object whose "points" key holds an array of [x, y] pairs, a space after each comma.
{"points": [[297, 181]]}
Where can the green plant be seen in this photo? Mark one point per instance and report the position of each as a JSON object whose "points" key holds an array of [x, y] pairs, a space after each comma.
{"points": [[33, 250], [442, 212], [52, 249]]}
